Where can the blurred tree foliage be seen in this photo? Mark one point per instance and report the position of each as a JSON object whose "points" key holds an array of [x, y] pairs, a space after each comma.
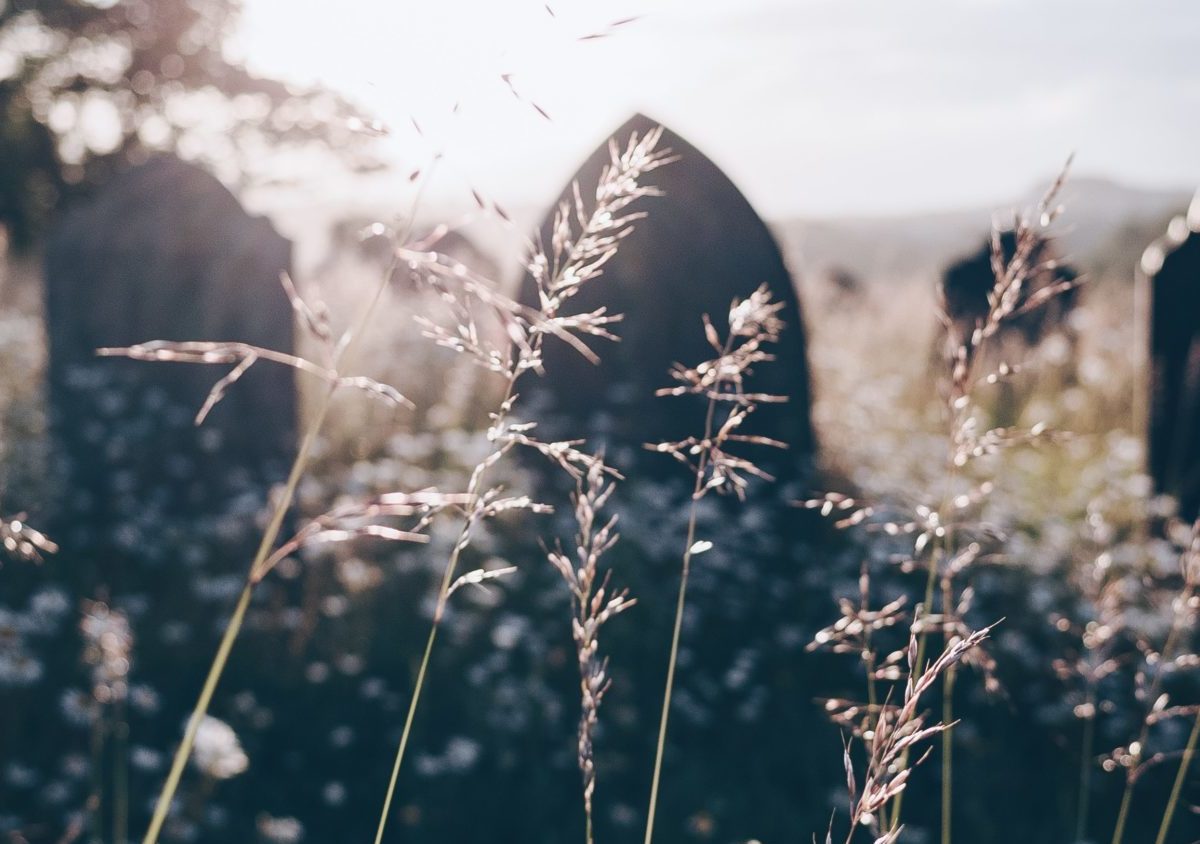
{"points": [[86, 85]]}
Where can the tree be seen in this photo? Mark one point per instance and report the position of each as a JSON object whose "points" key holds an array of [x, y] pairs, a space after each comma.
{"points": [[87, 85]]}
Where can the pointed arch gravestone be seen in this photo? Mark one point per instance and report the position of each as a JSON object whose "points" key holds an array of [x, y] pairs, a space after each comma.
{"points": [[1170, 276], [164, 252], [700, 246]]}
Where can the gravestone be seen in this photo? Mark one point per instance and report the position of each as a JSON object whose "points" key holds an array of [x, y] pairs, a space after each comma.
{"points": [[843, 285], [700, 246], [966, 284], [1170, 273], [156, 518], [165, 252]]}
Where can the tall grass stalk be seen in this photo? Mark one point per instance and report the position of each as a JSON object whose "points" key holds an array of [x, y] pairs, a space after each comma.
{"points": [[948, 744], [1012, 294], [120, 775], [1182, 622], [1086, 745], [96, 797], [898, 727], [921, 645], [752, 324], [572, 259], [234, 626], [677, 629], [337, 356], [869, 659], [1177, 787], [593, 604], [464, 536]]}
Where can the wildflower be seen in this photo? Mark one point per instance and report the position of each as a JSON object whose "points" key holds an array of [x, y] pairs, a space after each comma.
{"points": [[107, 644], [280, 830], [22, 541], [218, 753]]}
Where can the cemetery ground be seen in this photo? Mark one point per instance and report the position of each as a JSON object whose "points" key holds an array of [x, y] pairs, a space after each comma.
{"points": [[1072, 718]]}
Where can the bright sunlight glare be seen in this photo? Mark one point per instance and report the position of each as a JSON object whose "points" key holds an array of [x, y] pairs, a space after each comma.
{"points": [[813, 107]]}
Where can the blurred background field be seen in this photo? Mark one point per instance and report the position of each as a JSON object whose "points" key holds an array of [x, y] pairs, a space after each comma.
{"points": [[878, 149]]}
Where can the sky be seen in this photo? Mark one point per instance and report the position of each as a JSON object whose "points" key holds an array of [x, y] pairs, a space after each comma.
{"points": [[814, 107]]}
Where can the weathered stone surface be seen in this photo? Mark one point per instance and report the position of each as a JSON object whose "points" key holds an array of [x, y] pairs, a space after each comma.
{"points": [[1171, 276], [700, 246], [165, 252]]}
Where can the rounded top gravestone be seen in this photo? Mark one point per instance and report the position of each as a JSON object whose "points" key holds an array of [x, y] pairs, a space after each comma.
{"points": [[165, 252]]}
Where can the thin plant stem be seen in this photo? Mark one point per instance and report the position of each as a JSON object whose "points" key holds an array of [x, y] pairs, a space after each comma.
{"points": [[464, 536], [198, 713], [947, 755], [163, 806], [1143, 736], [872, 704], [408, 721], [447, 579], [1141, 417], [1143, 530], [1085, 773], [942, 547], [1177, 788], [872, 695], [679, 605], [120, 776], [95, 800], [1122, 815], [341, 353], [922, 641], [601, 215], [666, 707], [947, 714]]}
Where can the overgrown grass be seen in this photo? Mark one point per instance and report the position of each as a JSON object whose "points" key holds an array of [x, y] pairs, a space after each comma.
{"points": [[1072, 511]]}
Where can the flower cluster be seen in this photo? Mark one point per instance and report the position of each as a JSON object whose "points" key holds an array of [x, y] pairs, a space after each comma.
{"points": [[753, 323], [22, 541], [898, 730], [218, 753], [594, 604], [108, 641]]}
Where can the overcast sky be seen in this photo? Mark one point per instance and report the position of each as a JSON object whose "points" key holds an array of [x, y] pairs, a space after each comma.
{"points": [[819, 107]]}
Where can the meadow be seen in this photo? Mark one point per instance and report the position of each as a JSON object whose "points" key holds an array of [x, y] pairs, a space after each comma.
{"points": [[973, 620]]}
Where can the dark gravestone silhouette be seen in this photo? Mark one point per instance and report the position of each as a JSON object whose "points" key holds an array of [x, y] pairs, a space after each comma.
{"points": [[701, 246], [965, 286], [157, 517], [967, 283], [165, 252], [1171, 274]]}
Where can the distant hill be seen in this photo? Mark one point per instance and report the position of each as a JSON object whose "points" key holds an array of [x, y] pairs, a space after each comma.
{"points": [[1104, 227]]}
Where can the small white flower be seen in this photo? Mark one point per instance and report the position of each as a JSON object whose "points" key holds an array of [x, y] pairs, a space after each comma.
{"points": [[218, 753], [280, 830]]}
